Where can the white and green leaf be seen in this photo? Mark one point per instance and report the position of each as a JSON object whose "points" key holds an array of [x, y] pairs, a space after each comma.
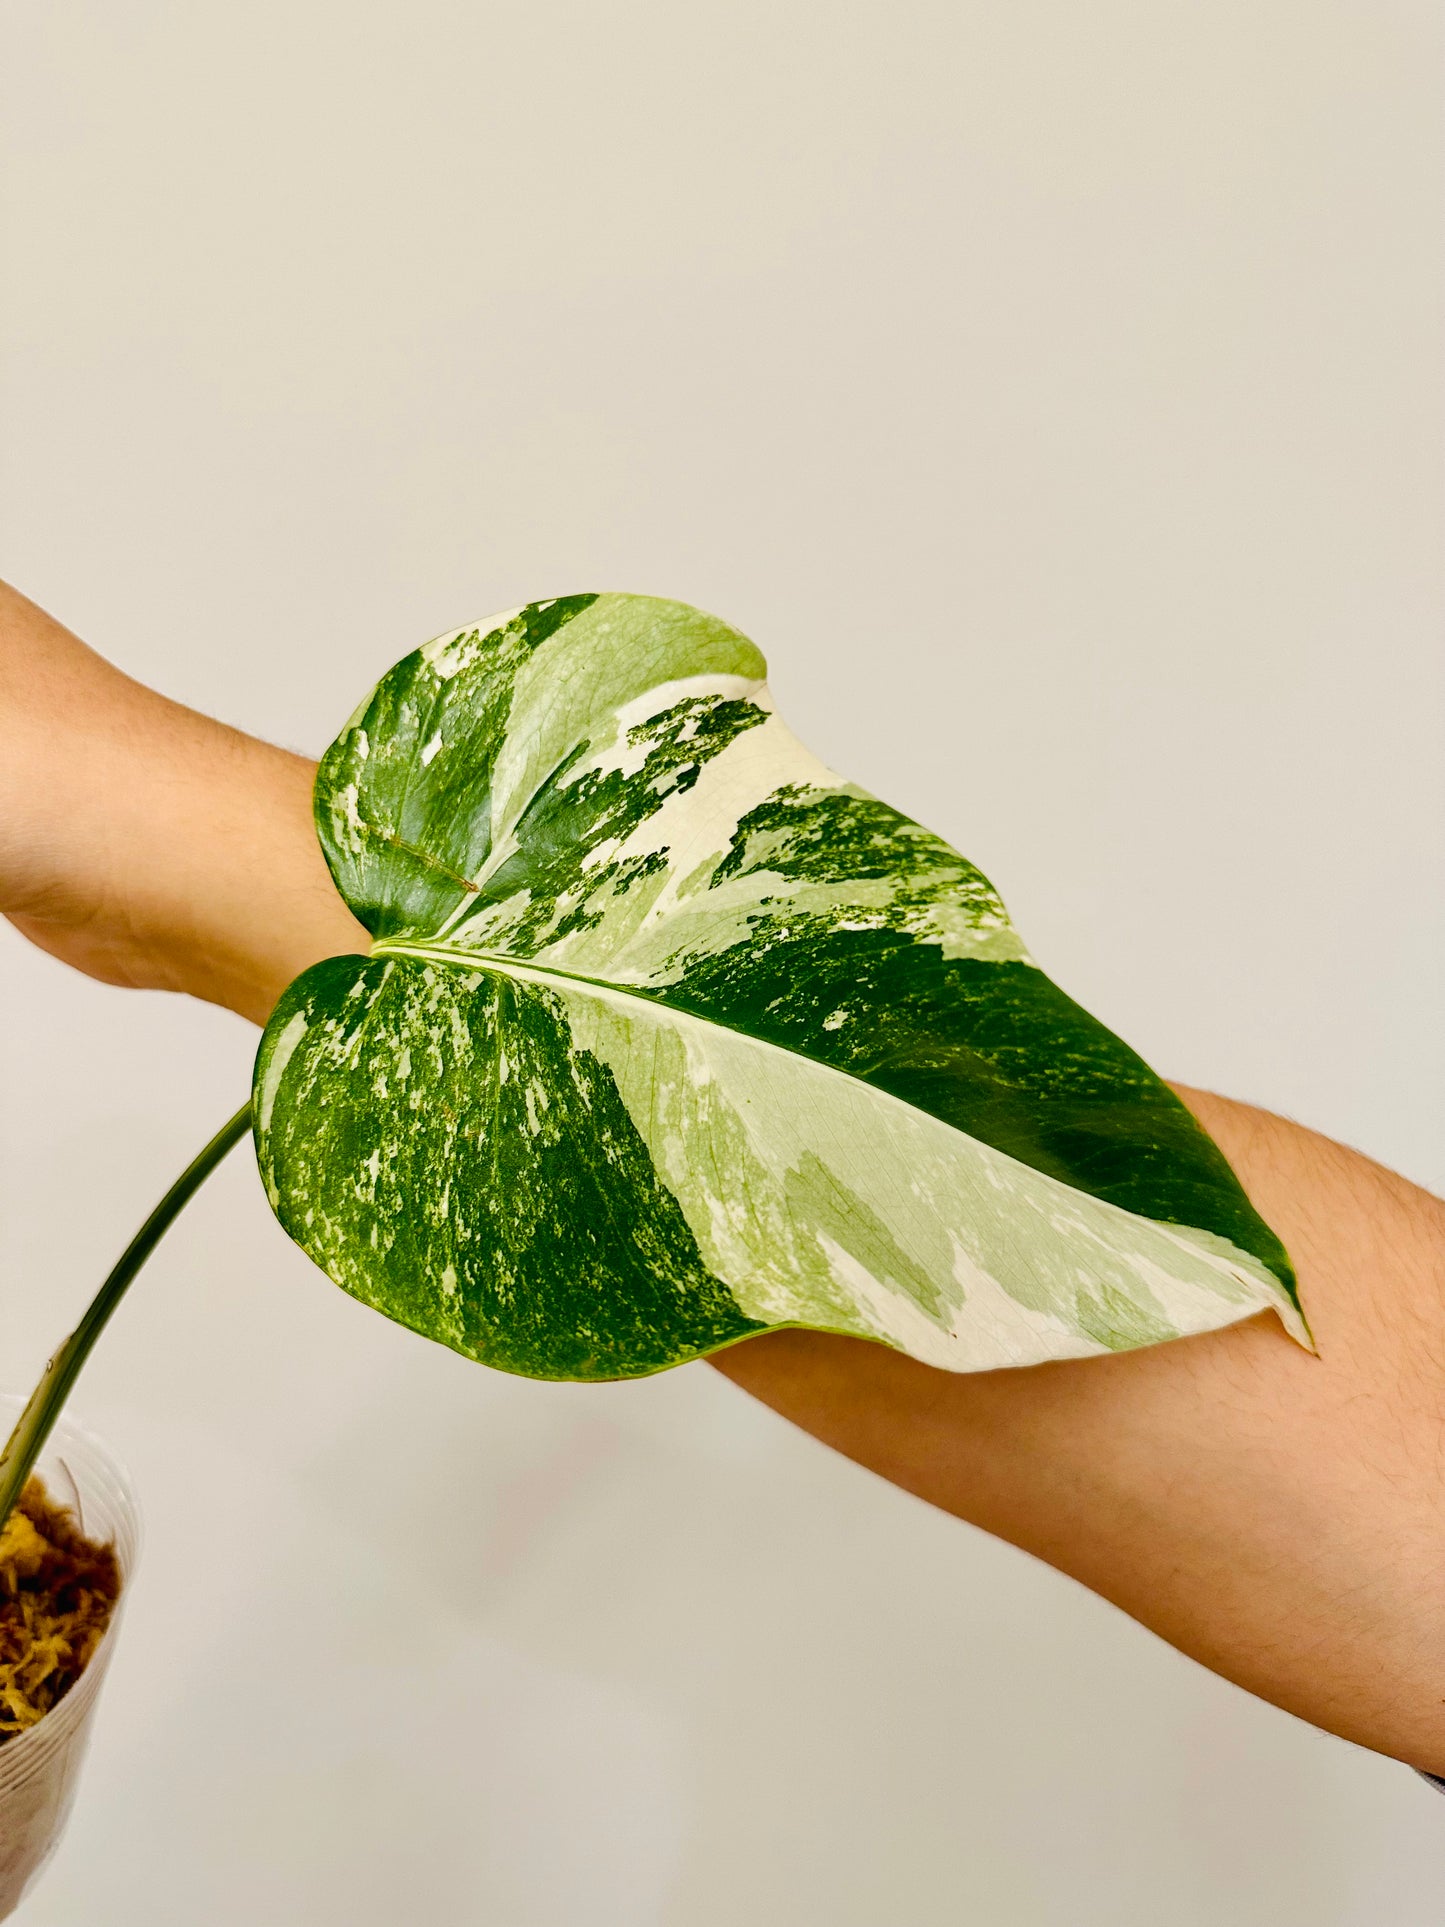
{"points": [[669, 1035]]}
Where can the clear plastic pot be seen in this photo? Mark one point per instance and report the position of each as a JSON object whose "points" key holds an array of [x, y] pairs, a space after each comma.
{"points": [[39, 1769]]}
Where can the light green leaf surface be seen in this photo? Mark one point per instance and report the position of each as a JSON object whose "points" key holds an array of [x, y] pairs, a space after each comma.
{"points": [[669, 1035]]}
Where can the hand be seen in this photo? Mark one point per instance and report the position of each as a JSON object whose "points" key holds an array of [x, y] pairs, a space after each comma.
{"points": [[149, 846]]}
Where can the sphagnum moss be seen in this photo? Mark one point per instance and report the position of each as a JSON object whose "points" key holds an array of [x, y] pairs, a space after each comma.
{"points": [[58, 1590]]}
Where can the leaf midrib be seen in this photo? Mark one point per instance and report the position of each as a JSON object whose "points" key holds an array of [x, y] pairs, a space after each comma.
{"points": [[547, 974]]}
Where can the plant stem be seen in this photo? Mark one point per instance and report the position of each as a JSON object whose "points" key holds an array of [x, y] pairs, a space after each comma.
{"points": [[17, 1461]]}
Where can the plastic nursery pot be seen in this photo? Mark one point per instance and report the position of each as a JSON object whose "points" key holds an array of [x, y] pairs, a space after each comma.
{"points": [[40, 1769]]}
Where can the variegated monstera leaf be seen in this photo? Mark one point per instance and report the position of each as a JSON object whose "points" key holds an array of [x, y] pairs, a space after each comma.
{"points": [[669, 1036]]}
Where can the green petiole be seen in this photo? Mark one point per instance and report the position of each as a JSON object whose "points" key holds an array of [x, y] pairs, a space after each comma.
{"points": [[26, 1442]]}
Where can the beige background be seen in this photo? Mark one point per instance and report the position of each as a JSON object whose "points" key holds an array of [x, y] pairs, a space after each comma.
{"points": [[1054, 392]]}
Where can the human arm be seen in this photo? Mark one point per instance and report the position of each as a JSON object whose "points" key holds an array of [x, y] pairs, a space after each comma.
{"points": [[1277, 1516]]}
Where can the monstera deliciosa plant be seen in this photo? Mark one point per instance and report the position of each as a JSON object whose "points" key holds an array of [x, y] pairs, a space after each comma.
{"points": [[669, 1036]]}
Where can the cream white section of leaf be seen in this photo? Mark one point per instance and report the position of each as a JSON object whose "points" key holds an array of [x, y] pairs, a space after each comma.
{"points": [[649, 931], [649, 936], [281, 1055]]}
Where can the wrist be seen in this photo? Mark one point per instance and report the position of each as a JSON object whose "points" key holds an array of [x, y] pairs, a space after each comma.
{"points": [[147, 845], [247, 902]]}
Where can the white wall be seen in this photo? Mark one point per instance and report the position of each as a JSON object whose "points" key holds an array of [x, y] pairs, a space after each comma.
{"points": [[1054, 392]]}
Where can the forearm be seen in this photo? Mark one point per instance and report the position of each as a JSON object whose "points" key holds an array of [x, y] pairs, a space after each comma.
{"points": [[1277, 1516]]}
